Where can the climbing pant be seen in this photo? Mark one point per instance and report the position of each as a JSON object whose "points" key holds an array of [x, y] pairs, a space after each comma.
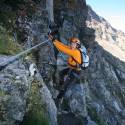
{"points": [[68, 76]]}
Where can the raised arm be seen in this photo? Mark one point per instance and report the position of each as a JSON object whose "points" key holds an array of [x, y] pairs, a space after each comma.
{"points": [[63, 48]]}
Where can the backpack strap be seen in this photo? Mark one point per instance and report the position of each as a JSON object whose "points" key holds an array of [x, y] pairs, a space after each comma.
{"points": [[81, 56]]}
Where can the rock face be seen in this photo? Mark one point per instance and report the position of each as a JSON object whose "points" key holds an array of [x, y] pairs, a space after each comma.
{"points": [[104, 30], [50, 105], [104, 78], [111, 39], [76, 99], [106, 85], [14, 86]]}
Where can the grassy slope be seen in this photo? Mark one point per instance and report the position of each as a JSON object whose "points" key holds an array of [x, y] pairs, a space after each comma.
{"points": [[7, 44], [8, 13], [36, 113]]}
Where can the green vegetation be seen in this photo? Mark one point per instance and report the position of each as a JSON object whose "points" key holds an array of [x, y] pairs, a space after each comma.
{"points": [[7, 44], [94, 116], [36, 113], [35, 117], [2, 112], [13, 3], [7, 19], [9, 10], [2, 93], [4, 98], [8, 13]]}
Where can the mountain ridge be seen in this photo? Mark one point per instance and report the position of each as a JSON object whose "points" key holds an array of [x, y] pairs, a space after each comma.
{"points": [[108, 37]]}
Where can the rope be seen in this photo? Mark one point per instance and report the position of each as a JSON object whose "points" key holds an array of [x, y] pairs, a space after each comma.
{"points": [[13, 58]]}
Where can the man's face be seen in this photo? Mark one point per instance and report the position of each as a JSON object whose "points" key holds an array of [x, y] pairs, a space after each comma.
{"points": [[73, 45]]}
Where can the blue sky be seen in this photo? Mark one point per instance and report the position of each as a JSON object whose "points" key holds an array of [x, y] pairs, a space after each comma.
{"points": [[112, 10]]}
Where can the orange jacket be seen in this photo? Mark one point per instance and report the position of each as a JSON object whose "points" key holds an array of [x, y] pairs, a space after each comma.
{"points": [[72, 54]]}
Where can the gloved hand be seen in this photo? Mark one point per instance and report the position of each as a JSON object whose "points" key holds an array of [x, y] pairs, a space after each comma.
{"points": [[53, 37], [54, 31]]}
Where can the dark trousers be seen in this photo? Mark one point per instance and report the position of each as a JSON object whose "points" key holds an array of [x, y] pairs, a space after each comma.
{"points": [[68, 76]]}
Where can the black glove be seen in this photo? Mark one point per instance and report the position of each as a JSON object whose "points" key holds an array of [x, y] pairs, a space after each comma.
{"points": [[54, 31]]}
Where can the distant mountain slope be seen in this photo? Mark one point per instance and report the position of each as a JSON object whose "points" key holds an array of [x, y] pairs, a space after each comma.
{"points": [[108, 37]]}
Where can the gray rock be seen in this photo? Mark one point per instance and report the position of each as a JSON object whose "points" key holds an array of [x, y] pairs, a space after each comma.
{"points": [[90, 122], [105, 76], [13, 93], [76, 99], [50, 105]]}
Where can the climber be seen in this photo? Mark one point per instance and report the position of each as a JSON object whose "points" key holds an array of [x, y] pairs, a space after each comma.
{"points": [[72, 51], [72, 73], [78, 58]]}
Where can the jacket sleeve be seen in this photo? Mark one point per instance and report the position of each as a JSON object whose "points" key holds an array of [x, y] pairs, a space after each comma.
{"points": [[63, 48]]}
